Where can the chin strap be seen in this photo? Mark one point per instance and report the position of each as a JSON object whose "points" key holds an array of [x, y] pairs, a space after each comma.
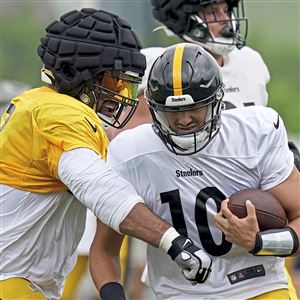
{"points": [[276, 242]]}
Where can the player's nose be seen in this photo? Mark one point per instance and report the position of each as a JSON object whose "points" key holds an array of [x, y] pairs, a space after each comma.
{"points": [[185, 118]]}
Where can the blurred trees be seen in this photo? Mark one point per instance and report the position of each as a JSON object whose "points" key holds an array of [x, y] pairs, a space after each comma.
{"points": [[20, 32], [275, 33]]}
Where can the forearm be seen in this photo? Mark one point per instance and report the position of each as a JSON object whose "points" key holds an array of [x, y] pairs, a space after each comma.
{"points": [[104, 267], [104, 262], [144, 225], [295, 224]]}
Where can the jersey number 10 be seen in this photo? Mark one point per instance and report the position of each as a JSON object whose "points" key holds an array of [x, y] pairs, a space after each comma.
{"points": [[173, 198]]}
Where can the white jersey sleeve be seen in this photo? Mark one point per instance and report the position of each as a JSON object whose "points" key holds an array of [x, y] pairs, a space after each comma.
{"points": [[275, 160], [99, 188]]}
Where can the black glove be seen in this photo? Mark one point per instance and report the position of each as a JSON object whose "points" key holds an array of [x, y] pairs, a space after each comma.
{"points": [[194, 262], [112, 290], [296, 153]]}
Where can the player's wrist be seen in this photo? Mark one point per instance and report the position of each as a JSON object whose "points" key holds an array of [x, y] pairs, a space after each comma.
{"points": [[276, 242], [112, 290], [168, 237], [194, 262]]}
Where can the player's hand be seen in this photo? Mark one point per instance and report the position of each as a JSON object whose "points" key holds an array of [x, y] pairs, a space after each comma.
{"points": [[194, 262], [241, 232]]}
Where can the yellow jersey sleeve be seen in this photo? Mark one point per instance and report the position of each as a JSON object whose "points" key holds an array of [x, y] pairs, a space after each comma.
{"points": [[37, 128]]}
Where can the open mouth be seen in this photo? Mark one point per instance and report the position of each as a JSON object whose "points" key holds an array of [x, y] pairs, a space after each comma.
{"points": [[108, 108]]}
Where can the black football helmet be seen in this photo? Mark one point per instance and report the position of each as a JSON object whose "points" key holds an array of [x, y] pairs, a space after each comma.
{"points": [[94, 56], [182, 18], [185, 77]]}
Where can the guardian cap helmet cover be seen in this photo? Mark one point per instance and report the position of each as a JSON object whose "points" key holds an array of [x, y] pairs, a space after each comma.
{"points": [[94, 56]]}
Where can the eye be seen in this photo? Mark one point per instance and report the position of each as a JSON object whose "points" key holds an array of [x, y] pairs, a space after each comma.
{"points": [[210, 12]]}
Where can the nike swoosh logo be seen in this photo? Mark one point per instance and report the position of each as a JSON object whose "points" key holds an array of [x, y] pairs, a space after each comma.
{"points": [[94, 127], [276, 125]]}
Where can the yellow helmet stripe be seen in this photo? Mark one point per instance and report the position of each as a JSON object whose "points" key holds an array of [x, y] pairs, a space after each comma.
{"points": [[177, 61]]}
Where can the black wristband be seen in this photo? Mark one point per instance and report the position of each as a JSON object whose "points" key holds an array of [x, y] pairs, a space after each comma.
{"points": [[112, 290], [258, 244]]}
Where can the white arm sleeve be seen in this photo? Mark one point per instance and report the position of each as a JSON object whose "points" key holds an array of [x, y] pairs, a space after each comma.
{"points": [[99, 188]]}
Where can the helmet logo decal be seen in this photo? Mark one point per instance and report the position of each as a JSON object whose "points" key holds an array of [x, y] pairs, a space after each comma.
{"points": [[177, 61], [179, 100]]}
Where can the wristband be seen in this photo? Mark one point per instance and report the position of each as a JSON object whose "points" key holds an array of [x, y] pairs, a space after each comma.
{"points": [[112, 290], [168, 237], [276, 242]]}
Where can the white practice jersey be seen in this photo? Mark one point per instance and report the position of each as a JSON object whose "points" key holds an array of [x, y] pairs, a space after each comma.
{"points": [[245, 77], [40, 232], [43, 248], [250, 151]]}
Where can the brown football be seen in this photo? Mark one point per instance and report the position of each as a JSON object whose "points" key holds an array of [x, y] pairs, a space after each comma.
{"points": [[269, 211]]}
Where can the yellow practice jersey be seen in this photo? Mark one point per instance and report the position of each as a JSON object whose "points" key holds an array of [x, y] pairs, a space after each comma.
{"points": [[37, 127]]}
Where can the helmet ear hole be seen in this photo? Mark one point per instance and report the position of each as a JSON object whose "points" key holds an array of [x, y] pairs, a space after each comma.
{"points": [[68, 71]]}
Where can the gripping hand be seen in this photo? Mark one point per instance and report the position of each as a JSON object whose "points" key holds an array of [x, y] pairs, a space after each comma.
{"points": [[194, 262]]}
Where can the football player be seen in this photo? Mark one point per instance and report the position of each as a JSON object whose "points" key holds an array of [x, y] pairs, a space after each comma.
{"points": [[221, 28], [187, 163], [53, 160]]}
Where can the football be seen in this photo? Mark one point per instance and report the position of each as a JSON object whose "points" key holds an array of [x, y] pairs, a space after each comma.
{"points": [[269, 211]]}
